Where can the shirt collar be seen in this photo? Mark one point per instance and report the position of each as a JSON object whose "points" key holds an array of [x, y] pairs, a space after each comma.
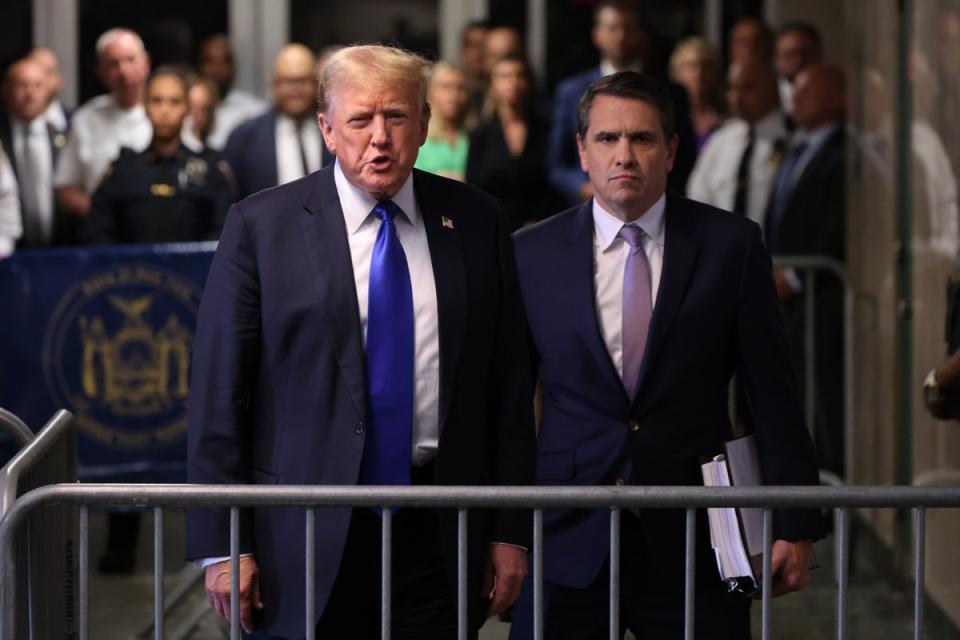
{"points": [[771, 125], [357, 204], [607, 69], [816, 137], [607, 226]]}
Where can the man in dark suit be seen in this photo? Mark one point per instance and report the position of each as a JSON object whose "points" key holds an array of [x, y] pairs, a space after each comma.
{"points": [[283, 144], [621, 40], [806, 215], [363, 325], [33, 144], [641, 305]]}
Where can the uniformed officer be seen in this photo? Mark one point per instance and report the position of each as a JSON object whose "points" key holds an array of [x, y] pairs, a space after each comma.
{"points": [[166, 193]]}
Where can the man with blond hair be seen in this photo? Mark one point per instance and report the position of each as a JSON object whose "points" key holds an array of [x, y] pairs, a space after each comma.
{"points": [[107, 122], [362, 325]]}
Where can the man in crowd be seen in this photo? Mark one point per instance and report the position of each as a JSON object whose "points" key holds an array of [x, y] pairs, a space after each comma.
{"points": [[33, 144], [56, 113], [736, 167], [806, 215], [641, 304], [798, 46], [236, 106], [750, 40], [10, 223], [333, 347], [106, 123], [472, 40], [166, 193], [619, 37], [284, 143], [499, 43]]}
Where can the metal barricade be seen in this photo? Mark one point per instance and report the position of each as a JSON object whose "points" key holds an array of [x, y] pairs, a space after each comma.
{"points": [[809, 266], [45, 597], [160, 497]]}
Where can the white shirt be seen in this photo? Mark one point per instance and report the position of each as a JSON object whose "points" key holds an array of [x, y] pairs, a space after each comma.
{"points": [[99, 128], [289, 162], [362, 227], [609, 259], [786, 89], [33, 140], [56, 116], [10, 224], [236, 108], [714, 176]]}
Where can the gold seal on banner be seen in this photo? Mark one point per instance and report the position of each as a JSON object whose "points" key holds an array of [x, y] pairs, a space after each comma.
{"points": [[117, 354]]}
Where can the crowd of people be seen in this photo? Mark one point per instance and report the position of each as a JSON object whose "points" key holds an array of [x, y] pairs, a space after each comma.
{"points": [[163, 154]]}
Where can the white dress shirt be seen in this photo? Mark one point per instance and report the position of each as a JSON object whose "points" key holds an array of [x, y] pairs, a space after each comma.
{"points": [[714, 176], [10, 228], [98, 130], [289, 162], [236, 108], [36, 182], [56, 116], [609, 259], [362, 228]]}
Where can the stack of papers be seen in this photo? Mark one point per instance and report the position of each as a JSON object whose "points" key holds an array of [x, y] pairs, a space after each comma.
{"points": [[736, 535]]}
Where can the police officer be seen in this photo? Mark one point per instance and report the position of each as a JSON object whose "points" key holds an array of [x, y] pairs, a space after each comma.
{"points": [[166, 193]]}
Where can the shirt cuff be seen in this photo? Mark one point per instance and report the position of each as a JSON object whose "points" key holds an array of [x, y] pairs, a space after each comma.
{"points": [[206, 562]]}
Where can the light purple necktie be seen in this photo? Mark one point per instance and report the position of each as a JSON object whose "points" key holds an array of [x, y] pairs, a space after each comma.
{"points": [[637, 306]]}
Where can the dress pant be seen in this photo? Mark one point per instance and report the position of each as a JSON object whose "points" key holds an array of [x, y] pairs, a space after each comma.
{"points": [[424, 605], [648, 610]]}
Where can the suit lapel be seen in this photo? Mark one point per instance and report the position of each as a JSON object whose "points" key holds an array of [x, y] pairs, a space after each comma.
{"points": [[577, 276], [679, 257], [270, 154], [325, 235], [450, 279]]}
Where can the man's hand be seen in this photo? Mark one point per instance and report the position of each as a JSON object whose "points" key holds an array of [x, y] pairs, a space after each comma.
{"points": [[790, 565], [784, 288], [504, 576], [217, 582]]}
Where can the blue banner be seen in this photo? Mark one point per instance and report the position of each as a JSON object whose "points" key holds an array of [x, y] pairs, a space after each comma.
{"points": [[107, 333]]}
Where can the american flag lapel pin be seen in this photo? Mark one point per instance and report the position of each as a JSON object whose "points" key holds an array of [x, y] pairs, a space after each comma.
{"points": [[446, 222]]}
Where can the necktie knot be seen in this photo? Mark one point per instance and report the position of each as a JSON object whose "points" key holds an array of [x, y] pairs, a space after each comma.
{"points": [[632, 235], [386, 210]]}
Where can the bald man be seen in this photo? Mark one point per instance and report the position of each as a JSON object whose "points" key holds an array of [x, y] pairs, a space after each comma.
{"points": [[107, 122], [736, 168], [236, 107], [56, 114], [807, 216], [32, 145], [284, 143]]}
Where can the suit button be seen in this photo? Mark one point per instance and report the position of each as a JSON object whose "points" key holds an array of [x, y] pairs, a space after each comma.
{"points": [[634, 425], [358, 429], [620, 482]]}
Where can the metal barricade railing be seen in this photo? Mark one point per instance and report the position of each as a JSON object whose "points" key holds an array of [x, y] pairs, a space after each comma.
{"points": [[159, 497], [49, 548], [809, 266]]}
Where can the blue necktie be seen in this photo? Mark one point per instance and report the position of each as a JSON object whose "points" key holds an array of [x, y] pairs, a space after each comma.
{"points": [[387, 450], [783, 189]]}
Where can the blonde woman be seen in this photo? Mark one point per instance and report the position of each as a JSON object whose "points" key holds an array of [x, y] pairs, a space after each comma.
{"points": [[445, 151], [695, 65]]}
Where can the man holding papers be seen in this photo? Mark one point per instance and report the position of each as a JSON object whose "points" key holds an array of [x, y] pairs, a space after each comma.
{"points": [[642, 305]]}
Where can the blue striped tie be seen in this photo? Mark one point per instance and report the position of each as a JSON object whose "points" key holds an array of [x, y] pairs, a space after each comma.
{"points": [[389, 354]]}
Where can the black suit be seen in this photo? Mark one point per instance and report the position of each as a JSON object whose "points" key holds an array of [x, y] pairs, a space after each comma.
{"points": [[66, 228], [278, 391], [814, 223]]}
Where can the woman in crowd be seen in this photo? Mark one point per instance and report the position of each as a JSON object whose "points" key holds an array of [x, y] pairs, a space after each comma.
{"points": [[508, 149], [696, 66], [445, 151]]}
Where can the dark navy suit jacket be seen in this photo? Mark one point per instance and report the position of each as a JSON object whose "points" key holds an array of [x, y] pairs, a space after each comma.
{"points": [[251, 152], [278, 392], [716, 313], [563, 163]]}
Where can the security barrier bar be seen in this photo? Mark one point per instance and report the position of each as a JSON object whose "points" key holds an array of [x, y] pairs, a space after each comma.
{"points": [[463, 498]]}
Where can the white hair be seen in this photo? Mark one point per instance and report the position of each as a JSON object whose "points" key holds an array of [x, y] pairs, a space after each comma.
{"points": [[110, 36]]}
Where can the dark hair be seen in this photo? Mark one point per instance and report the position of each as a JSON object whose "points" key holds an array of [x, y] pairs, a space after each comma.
{"points": [[172, 72], [634, 86], [803, 28]]}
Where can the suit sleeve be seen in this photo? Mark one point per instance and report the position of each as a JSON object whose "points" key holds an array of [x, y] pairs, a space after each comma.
{"points": [[225, 366], [515, 443], [787, 455], [563, 163], [100, 227]]}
